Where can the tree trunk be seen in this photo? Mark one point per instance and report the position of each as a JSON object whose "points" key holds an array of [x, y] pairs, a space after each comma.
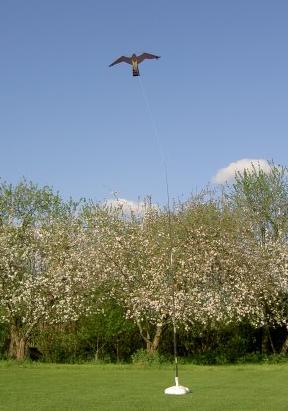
{"points": [[153, 346], [148, 341], [271, 341], [264, 339], [284, 348], [18, 344], [97, 350], [117, 350]]}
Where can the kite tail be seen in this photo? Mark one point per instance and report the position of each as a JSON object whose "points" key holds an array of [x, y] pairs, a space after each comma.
{"points": [[136, 72]]}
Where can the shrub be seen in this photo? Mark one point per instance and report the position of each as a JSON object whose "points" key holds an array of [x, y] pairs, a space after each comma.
{"points": [[143, 357]]}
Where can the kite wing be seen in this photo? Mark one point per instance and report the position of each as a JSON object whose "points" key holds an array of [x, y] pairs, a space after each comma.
{"points": [[145, 56], [122, 59]]}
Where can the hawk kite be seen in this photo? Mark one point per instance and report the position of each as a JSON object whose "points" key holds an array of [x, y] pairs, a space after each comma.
{"points": [[134, 61]]}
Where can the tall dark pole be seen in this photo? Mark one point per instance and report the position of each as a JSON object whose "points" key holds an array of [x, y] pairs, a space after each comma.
{"points": [[172, 277], [177, 389]]}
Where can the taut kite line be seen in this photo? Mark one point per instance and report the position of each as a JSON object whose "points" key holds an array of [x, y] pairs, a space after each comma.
{"points": [[135, 61]]}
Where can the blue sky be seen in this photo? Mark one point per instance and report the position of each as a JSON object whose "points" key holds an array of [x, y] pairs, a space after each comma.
{"points": [[218, 94]]}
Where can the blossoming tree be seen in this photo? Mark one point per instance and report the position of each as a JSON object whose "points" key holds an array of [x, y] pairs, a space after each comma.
{"points": [[42, 277], [212, 279]]}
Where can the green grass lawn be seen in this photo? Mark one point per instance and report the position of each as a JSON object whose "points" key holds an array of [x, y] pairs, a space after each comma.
{"points": [[127, 387]]}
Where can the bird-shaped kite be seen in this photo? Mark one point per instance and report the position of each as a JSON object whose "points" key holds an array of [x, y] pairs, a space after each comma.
{"points": [[134, 61]]}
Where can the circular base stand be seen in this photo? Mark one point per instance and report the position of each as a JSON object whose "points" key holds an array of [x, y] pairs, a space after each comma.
{"points": [[177, 390]]}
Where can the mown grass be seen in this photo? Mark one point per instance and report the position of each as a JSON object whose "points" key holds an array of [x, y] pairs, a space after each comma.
{"points": [[86, 387]]}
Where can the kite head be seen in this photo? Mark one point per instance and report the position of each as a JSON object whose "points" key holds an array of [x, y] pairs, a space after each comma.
{"points": [[134, 57]]}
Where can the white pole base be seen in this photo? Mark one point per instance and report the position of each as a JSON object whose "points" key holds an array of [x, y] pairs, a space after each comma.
{"points": [[177, 389]]}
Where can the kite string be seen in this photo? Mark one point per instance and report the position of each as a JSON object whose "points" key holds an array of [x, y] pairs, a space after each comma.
{"points": [[156, 135], [157, 139], [153, 122], [158, 143]]}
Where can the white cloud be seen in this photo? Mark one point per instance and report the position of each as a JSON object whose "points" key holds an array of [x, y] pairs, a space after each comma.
{"points": [[128, 206], [228, 173]]}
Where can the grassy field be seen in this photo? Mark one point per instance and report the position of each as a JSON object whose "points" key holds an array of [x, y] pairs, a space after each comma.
{"points": [[115, 387]]}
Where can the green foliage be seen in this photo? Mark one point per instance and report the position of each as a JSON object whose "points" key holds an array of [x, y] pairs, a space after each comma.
{"points": [[262, 198], [105, 336], [4, 340], [147, 358], [26, 203], [258, 358], [59, 345]]}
